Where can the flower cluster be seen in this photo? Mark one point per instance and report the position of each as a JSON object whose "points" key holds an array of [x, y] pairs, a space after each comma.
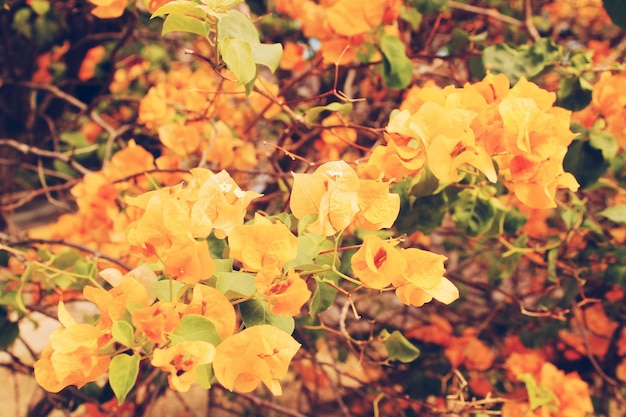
{"points": [[80, 353], [339, 198], [416, 275], [446, 129]]}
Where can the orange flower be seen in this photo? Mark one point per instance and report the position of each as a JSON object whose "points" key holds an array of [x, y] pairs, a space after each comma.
{"points": [[113, 303], [286, 296], [156, 321], [212, 304], [108, 9], [256, 354], [262, 244], [72, 357], [181, 139], [165, 224], [218, 198], [377, 263], [191, 263], [293, 58], [88, 67], [182, 361], [423, 279], [331, 192], [378, 208]]}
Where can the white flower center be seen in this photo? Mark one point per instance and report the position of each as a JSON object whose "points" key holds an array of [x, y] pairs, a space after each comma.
{"points": [[332, 173], [225, 187], [238, 193]]}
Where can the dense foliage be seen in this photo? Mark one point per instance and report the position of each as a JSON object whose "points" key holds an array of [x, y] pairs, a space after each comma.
{"points": [[299, 207]]}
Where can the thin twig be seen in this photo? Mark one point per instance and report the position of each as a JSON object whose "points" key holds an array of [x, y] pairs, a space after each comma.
{"points": [[78, 246], [27, 149], [486, 12], [265, 403]]}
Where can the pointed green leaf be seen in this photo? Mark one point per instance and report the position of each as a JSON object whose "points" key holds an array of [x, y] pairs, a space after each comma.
{"points": [[178, 22], [123, 372], [195, 327], [237, 54], [398, 347], [235, 284], [185, 7], [397, 67], [616, 9], [322, 299], [123, 333], [254, 313], [167, 290], [204, 374], [267, 54], [616, 214], [237, 25]]}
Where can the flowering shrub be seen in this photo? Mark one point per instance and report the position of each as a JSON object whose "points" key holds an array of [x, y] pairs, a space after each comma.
{"points": [[386, 207]]}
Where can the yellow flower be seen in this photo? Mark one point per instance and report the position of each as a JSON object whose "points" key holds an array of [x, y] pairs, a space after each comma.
{"points": [[157, 321], [377, 263], [108, 9], [286, 296], [182, 360], [191, 263], [423, 279], [256, 354], [331, 192], [378, 207], [72, 357], [219, 199], [209, 302], [112, 304], [262, 244]]}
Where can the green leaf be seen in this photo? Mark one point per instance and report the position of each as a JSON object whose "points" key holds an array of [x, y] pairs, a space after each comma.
{"points": [[616, 214], [412, 16], [397, 67], [604, 141], [237, 54], [313, 113], [167, 290], [123, 333], [223, 265], [41, 7], [398, 347], [185, 7], [237, 25], [585, 162], [616, 9], [268, 55], [254, 313], [178, 22], [524, 61], [538, 395], [123, 372], [195, 327], [309, 246], [573, 95], [66, 258], [322, 299], [9, 330], [473, 212], [204, 374], [235, 285], [428, 6]]}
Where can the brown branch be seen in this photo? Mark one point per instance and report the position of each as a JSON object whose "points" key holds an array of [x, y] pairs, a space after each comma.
{"points": [[30, 195], [486, 12], [27, 149], [528, 21], [82, 248], [265, 403]]}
